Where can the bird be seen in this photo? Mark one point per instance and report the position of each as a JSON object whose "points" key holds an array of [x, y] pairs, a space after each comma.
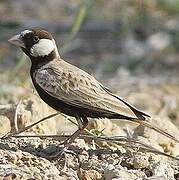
{"points": [[67, 88]]}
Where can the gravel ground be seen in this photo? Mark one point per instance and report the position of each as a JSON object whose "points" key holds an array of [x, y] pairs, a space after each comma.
{"points": [[86, 159], [24, 159]]}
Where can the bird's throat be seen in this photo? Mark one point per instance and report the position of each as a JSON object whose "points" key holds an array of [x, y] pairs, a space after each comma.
{"points": [[43, 59]]}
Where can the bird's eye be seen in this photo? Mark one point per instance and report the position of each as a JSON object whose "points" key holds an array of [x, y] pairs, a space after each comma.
{"points": [[36, 39]]}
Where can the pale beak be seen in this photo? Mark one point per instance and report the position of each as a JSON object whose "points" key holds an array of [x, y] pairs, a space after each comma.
{"points": [[17, 41]]}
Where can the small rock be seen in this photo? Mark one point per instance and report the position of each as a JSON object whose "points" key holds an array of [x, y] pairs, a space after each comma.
{"points": [[162, 168], [9, 176], [111, 173], [5, 125], [140, 160], [89, 175], [81, 144], [159, 41], [157, 178], [69, 174], [137, 174]]}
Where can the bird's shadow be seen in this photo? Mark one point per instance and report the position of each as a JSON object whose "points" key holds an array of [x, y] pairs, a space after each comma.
{"points": [[39, 151], [50, 150]]}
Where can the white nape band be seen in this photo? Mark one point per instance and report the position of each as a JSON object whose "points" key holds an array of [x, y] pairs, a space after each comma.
{"points": [[23, 33], [43, 48]]}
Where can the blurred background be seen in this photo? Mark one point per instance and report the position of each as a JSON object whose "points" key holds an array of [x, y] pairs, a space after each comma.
{"points": [[130, 46]]}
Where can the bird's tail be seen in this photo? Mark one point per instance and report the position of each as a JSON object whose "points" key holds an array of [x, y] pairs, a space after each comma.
{"points": [[147, 124], [139, 114], [141, 117]]}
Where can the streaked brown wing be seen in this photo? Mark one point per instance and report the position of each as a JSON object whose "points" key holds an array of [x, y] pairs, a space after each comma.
{"points": [[77, 88]]}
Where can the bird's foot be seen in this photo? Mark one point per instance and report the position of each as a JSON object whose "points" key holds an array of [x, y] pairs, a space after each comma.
{"points": [[60, 154], [65, 142]]}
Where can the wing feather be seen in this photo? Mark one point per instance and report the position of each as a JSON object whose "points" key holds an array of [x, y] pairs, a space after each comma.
{"points": [[77, 88]]}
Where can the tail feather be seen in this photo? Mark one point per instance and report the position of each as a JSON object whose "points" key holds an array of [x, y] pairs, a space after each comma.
{"points": [[140, 115]]}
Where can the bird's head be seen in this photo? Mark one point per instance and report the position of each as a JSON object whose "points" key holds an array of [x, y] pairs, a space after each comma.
{"points": [[36, 43]]}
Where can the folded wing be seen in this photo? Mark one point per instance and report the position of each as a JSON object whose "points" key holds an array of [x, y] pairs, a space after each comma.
{"points": [[77, 88]]}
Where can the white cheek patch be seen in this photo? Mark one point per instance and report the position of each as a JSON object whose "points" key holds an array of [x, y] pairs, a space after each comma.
{"points": [[43, 48]]}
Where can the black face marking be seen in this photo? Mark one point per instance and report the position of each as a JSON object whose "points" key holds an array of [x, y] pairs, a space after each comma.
{"points": [[33, 37], [28, 40]]}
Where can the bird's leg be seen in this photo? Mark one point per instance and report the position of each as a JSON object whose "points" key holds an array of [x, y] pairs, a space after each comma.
{"points": [[82, 123]]}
